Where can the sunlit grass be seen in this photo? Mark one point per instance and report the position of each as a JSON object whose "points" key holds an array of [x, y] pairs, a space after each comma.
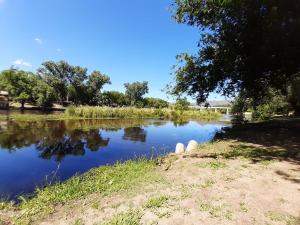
{"points": [[132, 217], [131, 112], [104, 180], [214, 210], [213, 164], [157, 201], [97, 112]]}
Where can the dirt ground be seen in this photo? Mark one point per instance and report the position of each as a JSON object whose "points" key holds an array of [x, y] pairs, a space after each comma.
{"points": [[241, 178]]}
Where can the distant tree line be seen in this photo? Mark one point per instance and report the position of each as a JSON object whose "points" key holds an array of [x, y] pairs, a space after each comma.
{"points": [[64, 83]]}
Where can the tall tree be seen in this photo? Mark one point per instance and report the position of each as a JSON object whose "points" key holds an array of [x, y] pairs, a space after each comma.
{"points": [[57, 76], [155, 103], [246, 45], [135, 91], [95, 83], [294, 93], [19, 85], [64, 78], [114, 98], [42, 93]]}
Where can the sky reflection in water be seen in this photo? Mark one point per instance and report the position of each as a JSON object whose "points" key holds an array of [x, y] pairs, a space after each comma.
{"points": [[33, 152]]}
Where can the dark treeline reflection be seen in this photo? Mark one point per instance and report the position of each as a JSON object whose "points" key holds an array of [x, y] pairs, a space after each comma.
{"points": [[57, 139], [134, 134]]}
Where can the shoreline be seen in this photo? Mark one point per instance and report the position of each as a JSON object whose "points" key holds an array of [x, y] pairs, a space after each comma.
{"points": [[232, 149]]}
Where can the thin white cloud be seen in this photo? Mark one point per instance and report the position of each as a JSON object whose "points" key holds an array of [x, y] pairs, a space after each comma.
{"points": [[37, 40], [21, 62], [58, 50]]}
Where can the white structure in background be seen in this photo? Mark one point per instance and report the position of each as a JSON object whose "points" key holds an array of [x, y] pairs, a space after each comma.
{"points": [[214, 105]]}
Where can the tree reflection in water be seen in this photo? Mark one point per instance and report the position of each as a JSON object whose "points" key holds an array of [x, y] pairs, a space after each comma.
{"points": [[57, 139], [71, 143], [134, 134]]}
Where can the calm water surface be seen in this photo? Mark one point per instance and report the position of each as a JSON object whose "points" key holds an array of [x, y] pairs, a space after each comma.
{"points": [[33, 153]]}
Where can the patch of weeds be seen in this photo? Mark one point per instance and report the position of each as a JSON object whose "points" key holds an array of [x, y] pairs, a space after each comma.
{"points": [[6, 204], [95, 205], [165, 214], [280, 217], [186, 191], [275, 216], [213, 164], [243, 207], [154, 222], [215, 210], [217, 164], [208, 183], [78, 222], [157, 202], [293, 221], [132, 217]]}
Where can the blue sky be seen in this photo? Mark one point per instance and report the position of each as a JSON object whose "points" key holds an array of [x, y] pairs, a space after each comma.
{"points": [[132, 40]]}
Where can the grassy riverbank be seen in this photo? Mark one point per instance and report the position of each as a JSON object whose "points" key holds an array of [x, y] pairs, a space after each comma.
{"points": [[222, 182], [88, 112], [104, 181]]}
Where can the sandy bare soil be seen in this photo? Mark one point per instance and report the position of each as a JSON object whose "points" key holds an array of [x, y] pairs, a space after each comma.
{"points": [[201, 190]]}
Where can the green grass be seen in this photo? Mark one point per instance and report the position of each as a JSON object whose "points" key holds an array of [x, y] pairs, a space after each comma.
{"points": [[97, 112], [78, 222], [131, 112], [214, 210], [132, 217], [279, 217], [157, 201], [33, 117], [213, 164], [6, 204], [95, 205], [104, 180]]}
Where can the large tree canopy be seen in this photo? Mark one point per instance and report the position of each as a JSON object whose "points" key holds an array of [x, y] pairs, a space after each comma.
{"points": [[72, 82], [135, 91], [63, 77], [245, 45], [26, 87]]}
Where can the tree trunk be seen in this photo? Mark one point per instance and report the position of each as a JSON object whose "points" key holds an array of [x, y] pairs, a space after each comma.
{"points": [[22, 104]]}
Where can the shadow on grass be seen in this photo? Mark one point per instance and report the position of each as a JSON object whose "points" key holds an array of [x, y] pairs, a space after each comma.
{"points": [[263, 141], [275, 139]]}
